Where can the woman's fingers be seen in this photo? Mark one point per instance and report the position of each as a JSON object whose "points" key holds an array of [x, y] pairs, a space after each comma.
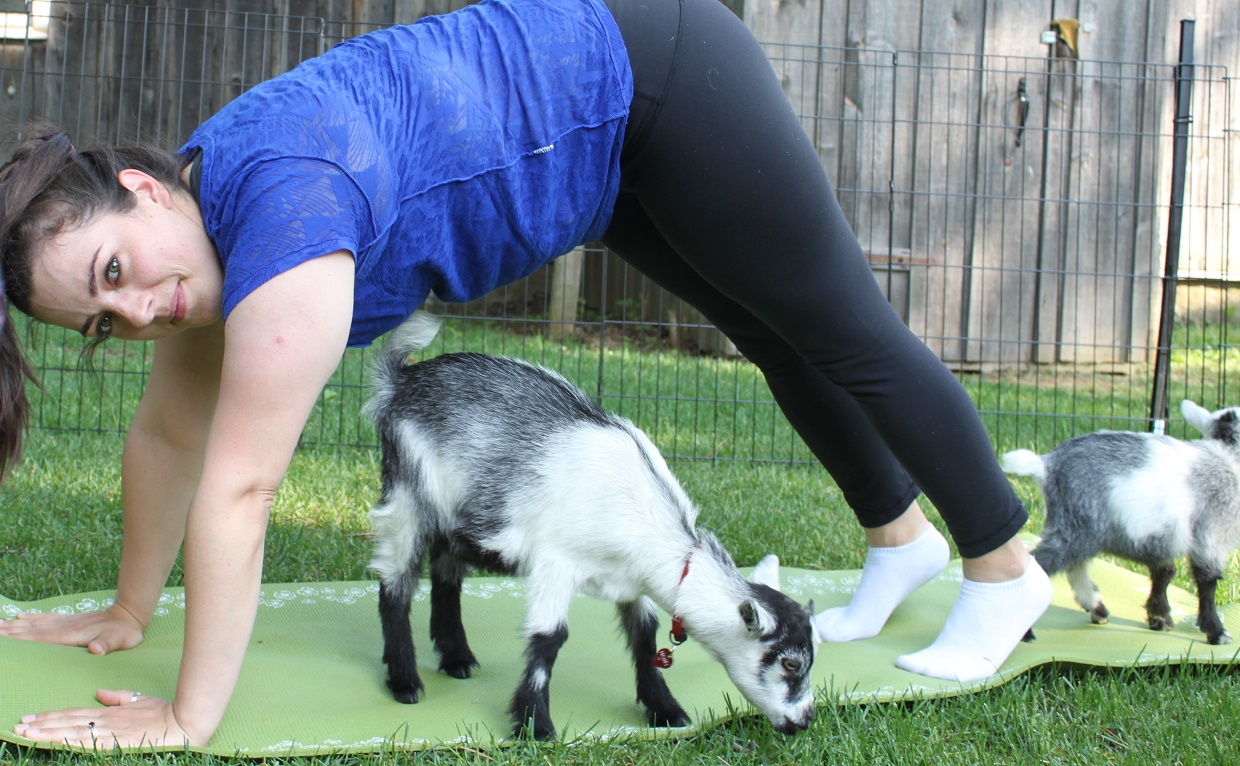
{"points": [[100, 632], [35, 627], [113, 697], [129, 720]]}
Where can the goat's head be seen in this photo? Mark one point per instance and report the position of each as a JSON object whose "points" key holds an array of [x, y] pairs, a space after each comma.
{"points": [[1221, 425], [770, 651]]}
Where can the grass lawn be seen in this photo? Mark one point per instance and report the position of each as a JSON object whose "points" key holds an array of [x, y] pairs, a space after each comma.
{"points": [[60, 533]]}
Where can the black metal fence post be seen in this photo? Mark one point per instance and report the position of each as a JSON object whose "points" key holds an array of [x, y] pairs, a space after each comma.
{"points": [[1179, 159]]}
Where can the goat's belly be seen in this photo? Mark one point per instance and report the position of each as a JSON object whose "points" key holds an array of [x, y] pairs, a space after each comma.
{"points": [[610, 590], [1153, 544], [1153, 516]]}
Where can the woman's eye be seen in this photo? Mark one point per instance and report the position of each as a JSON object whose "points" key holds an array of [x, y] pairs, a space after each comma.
{"points": [[791, 665], [105, 325], [113, 270]]}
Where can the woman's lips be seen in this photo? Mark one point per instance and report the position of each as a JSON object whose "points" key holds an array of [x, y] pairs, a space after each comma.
{"points": [[178, 304]]}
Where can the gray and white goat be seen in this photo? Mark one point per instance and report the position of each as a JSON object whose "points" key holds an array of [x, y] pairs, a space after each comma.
{"points": [[502, 465], [1147, 498]]}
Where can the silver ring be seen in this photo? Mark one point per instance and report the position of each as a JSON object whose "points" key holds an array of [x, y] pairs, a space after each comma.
{"points": [[135, 696]]}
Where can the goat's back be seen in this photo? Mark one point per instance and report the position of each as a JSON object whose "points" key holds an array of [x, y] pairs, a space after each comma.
{"points": [[514, 460], [477, 400], [1140, 495]]}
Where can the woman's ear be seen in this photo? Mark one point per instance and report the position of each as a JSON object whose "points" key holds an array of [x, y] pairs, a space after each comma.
{"points": [[145, 186]]}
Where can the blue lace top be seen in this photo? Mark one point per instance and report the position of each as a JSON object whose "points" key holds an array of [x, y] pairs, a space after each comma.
{"points": [[453, 155]]}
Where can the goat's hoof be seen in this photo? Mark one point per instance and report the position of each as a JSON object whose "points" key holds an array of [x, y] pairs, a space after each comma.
{"points": [[462, 669], [1099, 615], [541, 731], [1159, 622], [409, 697], [662, 718], [1222, 639], [531, 720], [408, 694]]}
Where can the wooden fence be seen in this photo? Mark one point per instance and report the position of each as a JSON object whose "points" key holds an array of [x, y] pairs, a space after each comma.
{"points": [[1010, 189], [1029, 176]]}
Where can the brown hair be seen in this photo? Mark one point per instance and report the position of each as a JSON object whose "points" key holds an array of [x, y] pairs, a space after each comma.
{"points": [[46, 188]]}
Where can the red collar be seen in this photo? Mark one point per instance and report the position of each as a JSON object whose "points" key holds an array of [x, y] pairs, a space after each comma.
{"points": [[678, 635]]}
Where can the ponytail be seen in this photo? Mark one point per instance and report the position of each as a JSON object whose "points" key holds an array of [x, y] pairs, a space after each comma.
{"points": [[14, 405]]}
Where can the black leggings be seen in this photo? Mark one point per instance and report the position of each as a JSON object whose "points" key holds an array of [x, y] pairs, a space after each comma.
{"points": [[725, 203]]}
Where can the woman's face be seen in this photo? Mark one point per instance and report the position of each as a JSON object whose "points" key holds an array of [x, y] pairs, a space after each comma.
{"points": [[140, 275]]}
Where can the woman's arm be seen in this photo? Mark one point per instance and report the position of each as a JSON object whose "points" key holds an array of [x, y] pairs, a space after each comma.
{"points": [[160, 468], [283, 342], [162, 463]]}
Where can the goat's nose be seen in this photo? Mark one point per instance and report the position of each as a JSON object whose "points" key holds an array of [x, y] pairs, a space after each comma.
{"points": [[793, 724], [804, 720], [790, 726]]}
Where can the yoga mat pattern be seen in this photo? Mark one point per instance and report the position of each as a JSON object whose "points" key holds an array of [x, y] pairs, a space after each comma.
{"points": [[312, 682]]}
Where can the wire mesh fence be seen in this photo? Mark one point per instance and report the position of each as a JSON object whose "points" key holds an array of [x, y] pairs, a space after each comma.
{"points": [[1014, 211]]}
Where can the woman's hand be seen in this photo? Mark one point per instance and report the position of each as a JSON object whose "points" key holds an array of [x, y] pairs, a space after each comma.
{"points": [[108, 630], [129, 720], [283, 343]]}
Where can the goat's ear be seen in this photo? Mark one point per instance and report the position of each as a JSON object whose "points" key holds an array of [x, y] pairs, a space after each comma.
{"points": [[757, 621], [1197, 416], [813, 624], [767, 572]]}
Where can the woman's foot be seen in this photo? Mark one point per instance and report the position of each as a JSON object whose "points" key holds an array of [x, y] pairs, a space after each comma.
{"points": [[890, 574], [986, 624]]}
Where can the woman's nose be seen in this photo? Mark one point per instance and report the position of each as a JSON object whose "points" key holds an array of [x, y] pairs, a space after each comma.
{"points": [[136, 307]]}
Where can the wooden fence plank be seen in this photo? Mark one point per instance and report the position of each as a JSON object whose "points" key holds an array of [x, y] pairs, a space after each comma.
{"points": [[1099, 303], [944, 158], [995, 260]]}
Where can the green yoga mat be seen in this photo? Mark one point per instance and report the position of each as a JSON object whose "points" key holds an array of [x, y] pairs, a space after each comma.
{"points": [[313, 680]]}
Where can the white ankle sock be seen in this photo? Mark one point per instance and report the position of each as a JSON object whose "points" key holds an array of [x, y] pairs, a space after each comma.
{"points": [[986, 624], [889, 576]]}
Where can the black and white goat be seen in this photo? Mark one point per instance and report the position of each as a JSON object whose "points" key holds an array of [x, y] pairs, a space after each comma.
{"points": [[502, 465], [1147, 498]]}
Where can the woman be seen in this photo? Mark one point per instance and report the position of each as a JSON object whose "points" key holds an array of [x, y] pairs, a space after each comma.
{"points": [[319, 209]]}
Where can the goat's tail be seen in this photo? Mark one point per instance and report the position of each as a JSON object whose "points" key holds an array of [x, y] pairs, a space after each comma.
{"points": [[1023, 462], [413, 334]]}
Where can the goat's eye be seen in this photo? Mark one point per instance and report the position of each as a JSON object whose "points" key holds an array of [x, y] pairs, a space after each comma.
{"points": [[791, 664]]}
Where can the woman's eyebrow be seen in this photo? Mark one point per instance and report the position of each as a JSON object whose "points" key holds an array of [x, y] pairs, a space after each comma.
{"points": [[90, 278], [93, 288]]}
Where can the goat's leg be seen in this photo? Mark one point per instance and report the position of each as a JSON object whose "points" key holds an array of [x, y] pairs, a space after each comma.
{"points": [[1057, 553], [1087, 594], [551, 591], [1207, 576], [399, 551], [398, 651], [641, 623], [531, 704], [447, 630], [1157, 608]]}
